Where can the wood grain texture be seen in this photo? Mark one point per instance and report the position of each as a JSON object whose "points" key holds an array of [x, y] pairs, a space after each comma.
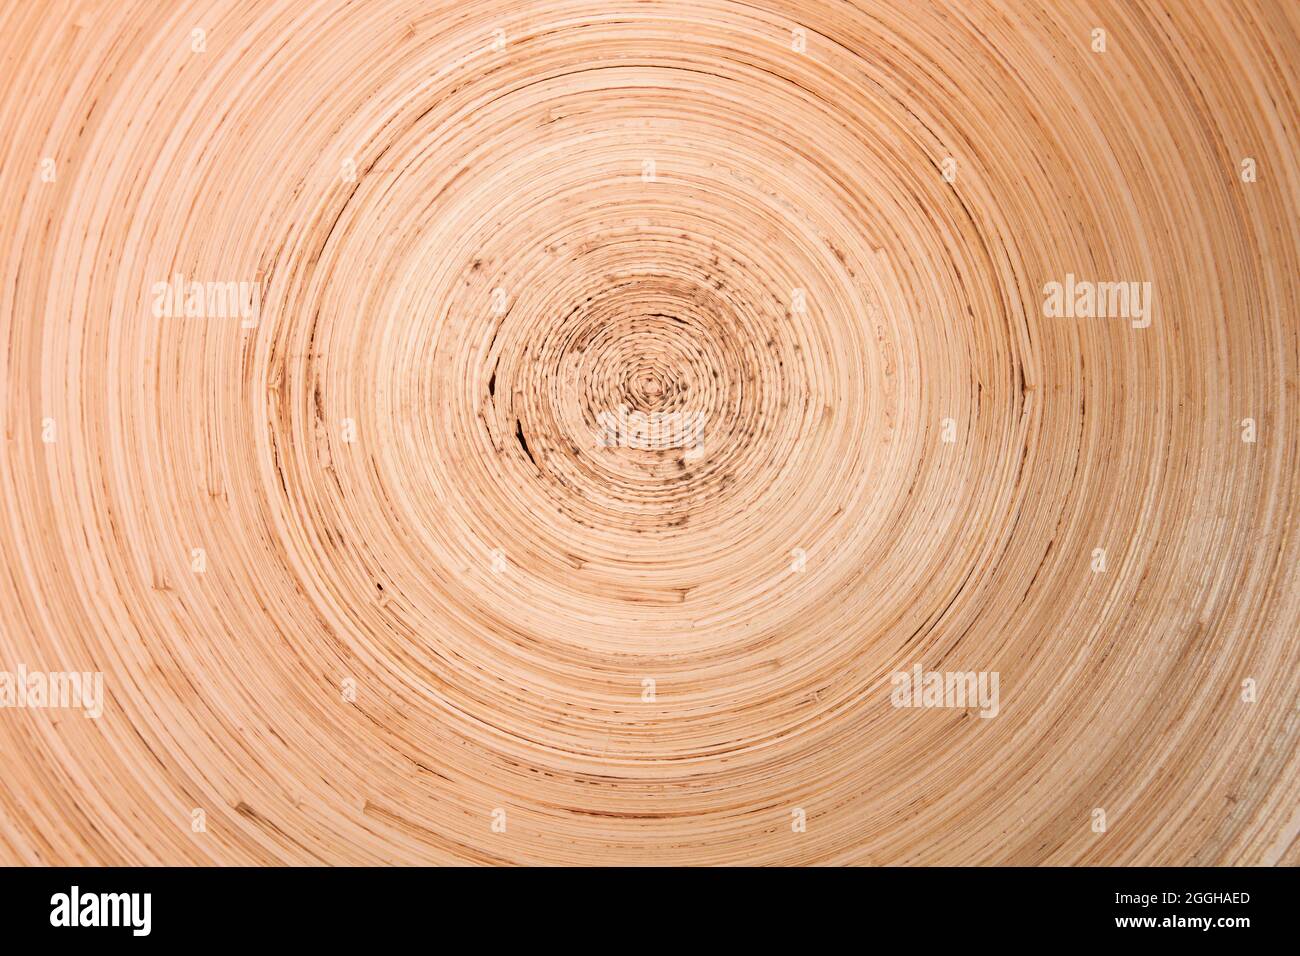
{"points": [[363, 585]]}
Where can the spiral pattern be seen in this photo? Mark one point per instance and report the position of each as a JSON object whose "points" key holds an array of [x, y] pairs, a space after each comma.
{"points": [[371, 581]]}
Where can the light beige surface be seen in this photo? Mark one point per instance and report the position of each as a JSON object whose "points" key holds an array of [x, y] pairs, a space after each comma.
{"points": [[497, 586]]}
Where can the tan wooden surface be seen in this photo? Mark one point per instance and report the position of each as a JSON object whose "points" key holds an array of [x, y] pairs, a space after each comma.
{"points": [[687, 207]]}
